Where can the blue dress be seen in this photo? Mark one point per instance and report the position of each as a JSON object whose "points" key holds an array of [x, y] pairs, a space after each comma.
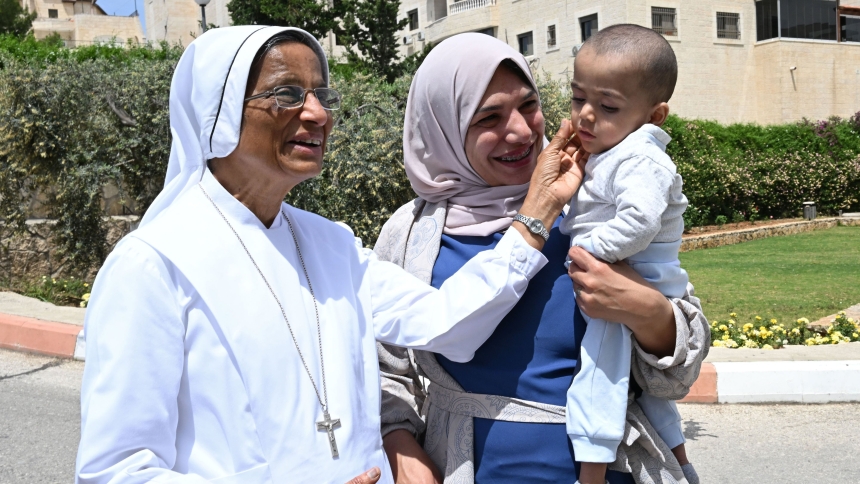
{"points": [[531, 355]]}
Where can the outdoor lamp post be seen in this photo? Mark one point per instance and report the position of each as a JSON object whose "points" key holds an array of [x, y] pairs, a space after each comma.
{"points": [[203, 4]]}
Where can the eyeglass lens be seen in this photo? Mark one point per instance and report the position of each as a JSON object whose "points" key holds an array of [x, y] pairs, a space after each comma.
{"points": [[294, 96]]}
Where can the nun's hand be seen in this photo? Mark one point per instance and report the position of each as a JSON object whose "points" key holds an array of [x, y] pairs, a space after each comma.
{"points": [[558, 174], [370, 477]]}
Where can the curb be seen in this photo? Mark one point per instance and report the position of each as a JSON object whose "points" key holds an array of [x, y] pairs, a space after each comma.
{"points": [[777, 382], [718, 382], [36, 336]]}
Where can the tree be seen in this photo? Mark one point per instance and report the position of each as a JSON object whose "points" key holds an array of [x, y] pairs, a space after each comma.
{"points": [[14, 19], [314, 16], [371, 26]]}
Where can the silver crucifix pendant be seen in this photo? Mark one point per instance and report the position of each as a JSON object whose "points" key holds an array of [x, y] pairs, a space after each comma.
{"points": [[328, 425]]}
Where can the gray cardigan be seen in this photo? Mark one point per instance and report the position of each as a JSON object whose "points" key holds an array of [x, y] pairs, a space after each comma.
{"points": [[411, 239]]}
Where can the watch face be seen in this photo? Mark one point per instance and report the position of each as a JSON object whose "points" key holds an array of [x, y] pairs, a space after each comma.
{"points": [[535, 225]]}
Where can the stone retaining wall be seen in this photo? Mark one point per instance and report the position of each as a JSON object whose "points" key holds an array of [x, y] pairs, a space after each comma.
{"points": [[34, 254], [709, 241]]}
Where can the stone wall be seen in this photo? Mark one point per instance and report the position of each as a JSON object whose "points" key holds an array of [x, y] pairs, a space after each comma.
{"points": [[709, 241], [32, 255]]}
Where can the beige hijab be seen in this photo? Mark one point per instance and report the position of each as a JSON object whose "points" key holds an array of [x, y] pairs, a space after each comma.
{"points": [[445, 93]]}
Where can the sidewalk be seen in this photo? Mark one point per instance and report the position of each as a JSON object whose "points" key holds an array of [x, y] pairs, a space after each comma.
{"points": [[802, 374], [799, 374], [33, 326]]}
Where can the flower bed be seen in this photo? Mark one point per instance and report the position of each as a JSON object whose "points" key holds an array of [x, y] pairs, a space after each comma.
{"points": [[772, 334]]}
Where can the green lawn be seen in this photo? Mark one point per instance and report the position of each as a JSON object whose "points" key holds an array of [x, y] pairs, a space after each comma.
{"points": [[808, 275]]}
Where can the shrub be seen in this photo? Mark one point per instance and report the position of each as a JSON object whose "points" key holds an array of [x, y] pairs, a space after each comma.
{"points": [[73, 119], [69, 123]]}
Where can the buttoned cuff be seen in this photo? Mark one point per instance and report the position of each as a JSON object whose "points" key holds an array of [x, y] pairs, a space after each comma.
{"points": [[523, 257]]}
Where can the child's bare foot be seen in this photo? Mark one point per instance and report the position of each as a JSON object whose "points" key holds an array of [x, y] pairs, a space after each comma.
{"points": [[592, 473], [681, 454]]}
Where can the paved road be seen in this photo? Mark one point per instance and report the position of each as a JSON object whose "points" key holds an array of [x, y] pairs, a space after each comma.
{"points": [[770, 444], [762, 444], [39, 418]]}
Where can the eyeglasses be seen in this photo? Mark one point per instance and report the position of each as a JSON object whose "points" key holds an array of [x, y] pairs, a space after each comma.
{"points": [[294, 97]]}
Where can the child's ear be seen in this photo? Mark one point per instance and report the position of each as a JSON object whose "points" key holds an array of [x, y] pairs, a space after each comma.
{"points": [[659, 113]]}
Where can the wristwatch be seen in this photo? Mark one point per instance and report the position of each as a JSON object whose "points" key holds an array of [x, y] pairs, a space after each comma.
{"points": [[534, 225]]}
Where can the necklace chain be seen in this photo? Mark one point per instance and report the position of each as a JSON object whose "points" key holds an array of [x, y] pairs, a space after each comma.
{"points": [[323, 399]]}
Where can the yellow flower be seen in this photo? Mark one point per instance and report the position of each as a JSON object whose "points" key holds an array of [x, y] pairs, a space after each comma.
{"points": [[803, 321], [772, 321], [750, 344], [795, 331], [723, 327], [767, 347], [733, 315], [855, 335], [718, 344], [731, 344], [86, 297], [758, 318], [86, 285], [725, 337], [762, 329], [748, 326]]}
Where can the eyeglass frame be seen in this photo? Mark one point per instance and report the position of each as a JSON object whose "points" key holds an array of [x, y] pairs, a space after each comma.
{"points": [[271, 92]]}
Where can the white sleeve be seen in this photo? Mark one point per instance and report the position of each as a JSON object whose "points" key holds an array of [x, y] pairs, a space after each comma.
{"points": [[641, 188], [134, 363], [456, 319]]}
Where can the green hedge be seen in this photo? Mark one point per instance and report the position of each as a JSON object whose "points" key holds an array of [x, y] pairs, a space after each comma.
{"points": [[73, 119]]}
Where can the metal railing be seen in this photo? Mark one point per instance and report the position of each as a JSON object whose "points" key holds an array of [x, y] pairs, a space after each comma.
{"points": [[466, 5], [728, 25], [663, 21]]}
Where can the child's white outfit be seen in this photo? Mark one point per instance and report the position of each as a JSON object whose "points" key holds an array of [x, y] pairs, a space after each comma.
{"points": [[629, 207]]}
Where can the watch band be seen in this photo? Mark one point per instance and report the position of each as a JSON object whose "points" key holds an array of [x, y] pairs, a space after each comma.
{"points": [[534, 225]]}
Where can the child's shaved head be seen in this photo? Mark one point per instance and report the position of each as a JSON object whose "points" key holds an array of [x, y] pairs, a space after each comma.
{"points": [[647, 51]]}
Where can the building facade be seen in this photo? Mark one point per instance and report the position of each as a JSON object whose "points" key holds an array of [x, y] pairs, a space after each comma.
{"points": [[81, 22], [179, 21], [764, 61]]}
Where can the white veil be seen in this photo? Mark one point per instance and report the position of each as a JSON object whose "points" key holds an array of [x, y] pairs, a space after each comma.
{"points": [[206, 101]]}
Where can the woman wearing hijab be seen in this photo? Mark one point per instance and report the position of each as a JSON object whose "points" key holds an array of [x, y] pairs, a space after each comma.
{"points": [[232, 337], [472, 135]]}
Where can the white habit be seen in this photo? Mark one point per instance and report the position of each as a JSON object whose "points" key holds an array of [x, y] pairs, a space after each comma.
{"points": [[191, 373]]}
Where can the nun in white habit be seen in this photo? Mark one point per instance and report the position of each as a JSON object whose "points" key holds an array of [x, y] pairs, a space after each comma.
{"points": [[232, 337]]}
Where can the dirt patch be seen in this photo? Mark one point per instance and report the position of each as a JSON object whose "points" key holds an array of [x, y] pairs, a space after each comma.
{"points": [[731, 227]]}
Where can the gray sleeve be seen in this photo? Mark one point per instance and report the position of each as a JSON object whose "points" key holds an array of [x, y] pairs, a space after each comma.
{"points": [[671, 377], [402, 392], [641, 189]]}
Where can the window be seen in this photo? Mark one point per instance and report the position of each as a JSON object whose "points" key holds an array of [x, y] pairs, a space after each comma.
{"points": [[488, 31], [527, 45], [850, 28], [728, 25], [588, 26], [797, 19], [663, 21], [53, 13], [436, 9], [766, 19], [413, 19], [550, 37]]}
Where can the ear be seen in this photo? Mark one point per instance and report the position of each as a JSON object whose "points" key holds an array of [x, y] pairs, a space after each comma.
{"points": [[659, 113]]}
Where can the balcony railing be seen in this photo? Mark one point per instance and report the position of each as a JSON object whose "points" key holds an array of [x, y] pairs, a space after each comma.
{"points": [[466, 5]]}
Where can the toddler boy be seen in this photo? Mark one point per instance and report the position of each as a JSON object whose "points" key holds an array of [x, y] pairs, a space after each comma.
{"points": [[629, 208]]}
